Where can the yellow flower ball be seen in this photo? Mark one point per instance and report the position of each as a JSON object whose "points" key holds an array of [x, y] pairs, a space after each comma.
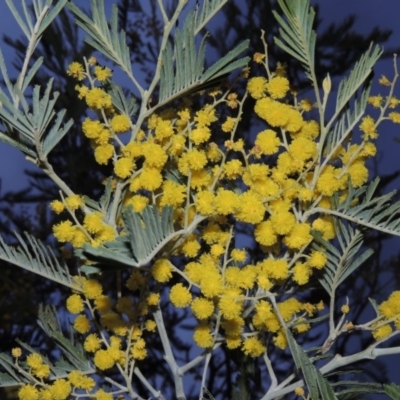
{"points": [[253, 347], [120, 123], [202, 336], [82, 324], [60, 389], [92, 343], [75, 304], [92, 289], [180, 296], [202, 308], [102, 360], [28, 392]]}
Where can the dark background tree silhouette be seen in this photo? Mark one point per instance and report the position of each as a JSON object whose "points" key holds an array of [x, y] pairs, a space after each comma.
{"points": [[339, 46]]}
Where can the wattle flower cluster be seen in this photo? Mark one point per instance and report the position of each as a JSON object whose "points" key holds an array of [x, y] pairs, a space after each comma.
{"points": [[272, 186]]}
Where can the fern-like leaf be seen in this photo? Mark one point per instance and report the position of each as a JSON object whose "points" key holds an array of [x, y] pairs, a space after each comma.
{"points": [[373, 212], [72, 349], [32, 255], [344, 261], [147, 233], [108, 40], [393, 391], [298, 37], [209, 9], [363, 68], [182, 66], [345, 124], [318, 386]]}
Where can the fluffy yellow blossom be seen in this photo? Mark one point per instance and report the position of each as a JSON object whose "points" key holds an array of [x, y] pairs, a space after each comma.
{"points": [[202, 336], [200, 135], [60, 389], [76, 70], [325, 226], [229, 124], [114, 322], [289, 308], [276, 269], [205, 116], [204, 202], [97, 99], [299, 236], [382, 332], [211, 284], [251, 208], [174, 194], [232, 100], [123, 167], [282, 222], [202, 308], [154, 154], [257, 87], [74, 201], [102, 360], [278, 87], [75, 304], [64, 231], [92, 289], [268, 142], [317, 259], [302, 148], [253, 347], [390, 307], [239, 255], [191, 246], [82, 324], [150, 178], [375, 101], [384, 81], [258, 57], [306, 105], [162, 270], [82, 91], [81, 381], [153, 299], [394, 102], [16, 352], [358, 174], [120, 123], [368, 127], [57, 206], [180, 296], [102, 73], [226, 202], [93, 222], [102, 395], [301, 273], [272, 111], [265, 234], [28, 392], [103, 153], [92, 343], [299, 391], [138, 350], [310, 129], [395, 117], [345, 309], [138, 202], [34, 360], [150, 325]]}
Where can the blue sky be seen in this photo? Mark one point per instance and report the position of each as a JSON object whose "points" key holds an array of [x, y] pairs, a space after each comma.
{"points": [[370, 13]]}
